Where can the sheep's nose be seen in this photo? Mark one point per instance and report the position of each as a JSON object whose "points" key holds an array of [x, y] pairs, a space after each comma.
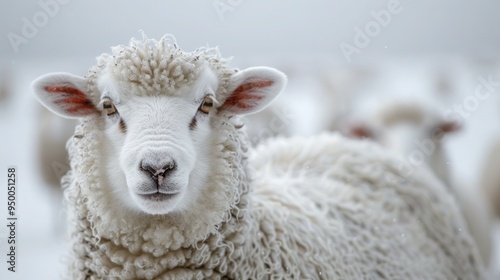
{"points": [[158, 173]]}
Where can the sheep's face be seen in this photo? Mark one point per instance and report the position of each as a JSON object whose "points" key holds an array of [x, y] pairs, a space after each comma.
{"points": [[157, 147]]}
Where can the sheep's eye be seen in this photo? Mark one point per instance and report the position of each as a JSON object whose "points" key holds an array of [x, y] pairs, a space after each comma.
{"points": [[206, 105], [109, 107]]}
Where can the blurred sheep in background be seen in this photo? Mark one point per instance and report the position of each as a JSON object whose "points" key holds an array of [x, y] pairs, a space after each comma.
{"points": [[52, 157], [400, 106], [53, 133], [402, 110], [5, 90], [491, 178]]}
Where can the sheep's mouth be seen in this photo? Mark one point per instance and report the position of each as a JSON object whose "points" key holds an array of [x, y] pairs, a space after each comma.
{"points": [[158, 196]]}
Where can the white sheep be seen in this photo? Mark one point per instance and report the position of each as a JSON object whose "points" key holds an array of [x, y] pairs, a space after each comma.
{"points": [[416, 130], [5, 86], [491, 178], [413, 128], [53, 133], [52, 159], [164, 186]]}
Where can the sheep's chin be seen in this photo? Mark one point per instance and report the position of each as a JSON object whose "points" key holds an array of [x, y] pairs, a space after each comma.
{"points": [[157, 204]]}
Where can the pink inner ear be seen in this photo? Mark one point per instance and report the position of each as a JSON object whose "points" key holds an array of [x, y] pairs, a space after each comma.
{"points": [[244, 95], [448, 127], [360, 131], [73, 100]]}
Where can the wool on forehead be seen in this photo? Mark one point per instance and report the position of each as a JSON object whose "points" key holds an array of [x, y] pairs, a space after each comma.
{"points": [[158, 67]]}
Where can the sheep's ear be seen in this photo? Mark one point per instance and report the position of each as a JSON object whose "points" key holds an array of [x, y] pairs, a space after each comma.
{"points": [[449, 126], [64, 94], [359, 130], [253, 89]]}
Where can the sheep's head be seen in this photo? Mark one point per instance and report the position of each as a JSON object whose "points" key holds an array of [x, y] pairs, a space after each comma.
{"points": [[399, 124], [157, 105], [413, 129]]}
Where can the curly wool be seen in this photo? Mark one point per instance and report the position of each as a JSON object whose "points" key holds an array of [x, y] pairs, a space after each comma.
{"points": [[149, 67], [340, 211], [108, 240], [318, 208], [113, 242]]}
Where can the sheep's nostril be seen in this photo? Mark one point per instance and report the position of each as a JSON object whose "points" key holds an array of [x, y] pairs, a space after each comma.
{"points": [[158, 174], [148, 168]]}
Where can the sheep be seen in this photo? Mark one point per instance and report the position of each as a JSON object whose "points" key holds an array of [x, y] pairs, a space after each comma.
{"points": [[415, 130], [491, 180], [411, 127], [52, 159], [53, 133], [5, 84], [163, 184]]}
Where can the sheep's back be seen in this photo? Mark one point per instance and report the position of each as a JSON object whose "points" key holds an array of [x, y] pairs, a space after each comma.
{"points": [[347, 204]]}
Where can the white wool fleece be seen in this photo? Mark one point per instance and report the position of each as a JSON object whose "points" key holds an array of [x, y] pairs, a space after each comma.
{"points": [[318, 208]]}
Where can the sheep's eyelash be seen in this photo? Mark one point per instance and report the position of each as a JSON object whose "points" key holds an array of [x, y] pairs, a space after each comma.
{"points": [[211, 95], [106, 97]]}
